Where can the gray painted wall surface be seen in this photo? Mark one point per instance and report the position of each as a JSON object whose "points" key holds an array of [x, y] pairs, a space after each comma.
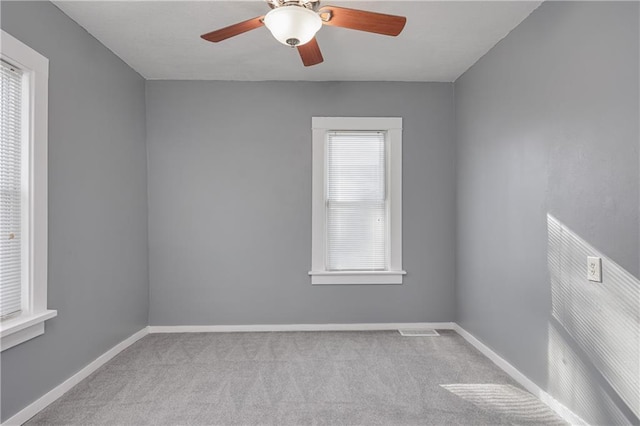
{"points": [[547, 123], [98, 277], [230, 203]]}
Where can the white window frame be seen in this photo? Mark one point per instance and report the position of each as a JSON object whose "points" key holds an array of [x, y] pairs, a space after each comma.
{"points": [[392, 127], [35, 67]]}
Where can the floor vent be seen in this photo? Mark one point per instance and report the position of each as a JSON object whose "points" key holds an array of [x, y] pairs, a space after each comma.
{"points": [[419, 333]]}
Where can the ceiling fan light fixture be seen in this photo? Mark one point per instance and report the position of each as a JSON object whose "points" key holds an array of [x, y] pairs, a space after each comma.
{"points": [[293, 25]]}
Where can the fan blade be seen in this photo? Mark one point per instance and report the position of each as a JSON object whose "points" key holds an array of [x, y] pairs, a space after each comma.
{"points": [[233, 30], [362, 20], [310, 53]]}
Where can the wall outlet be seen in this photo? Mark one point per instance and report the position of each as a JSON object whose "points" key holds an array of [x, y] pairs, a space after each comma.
{"points": [[594, 269]]}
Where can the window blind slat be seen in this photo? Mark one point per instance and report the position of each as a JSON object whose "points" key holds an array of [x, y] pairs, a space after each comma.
{"points": [[356, 208], [10, 189]]}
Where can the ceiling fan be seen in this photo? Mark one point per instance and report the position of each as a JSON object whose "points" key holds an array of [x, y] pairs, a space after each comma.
{"points": [[295, 23]]}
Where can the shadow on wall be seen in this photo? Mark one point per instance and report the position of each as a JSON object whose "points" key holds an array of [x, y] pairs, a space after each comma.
{"points": [[594, 334]]}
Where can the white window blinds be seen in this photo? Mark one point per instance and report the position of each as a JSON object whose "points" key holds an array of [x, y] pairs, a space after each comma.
{"points": [[10, 190], [356, 201]]}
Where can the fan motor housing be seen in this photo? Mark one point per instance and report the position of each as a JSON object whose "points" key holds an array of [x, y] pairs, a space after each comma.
{"points": [[309, 4]]}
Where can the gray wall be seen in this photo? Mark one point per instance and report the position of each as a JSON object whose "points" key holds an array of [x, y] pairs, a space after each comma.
{"points": [[547, 163], [230, 203], [547, 172], [98, 278]]}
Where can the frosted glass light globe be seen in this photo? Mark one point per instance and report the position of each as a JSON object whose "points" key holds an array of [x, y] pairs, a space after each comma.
{"points": [[293, 25]]}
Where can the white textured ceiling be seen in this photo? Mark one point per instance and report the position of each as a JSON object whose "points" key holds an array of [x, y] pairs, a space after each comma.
{"points": [[160, 40]]}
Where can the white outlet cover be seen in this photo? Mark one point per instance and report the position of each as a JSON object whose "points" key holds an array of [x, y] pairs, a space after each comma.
{"points": [[594, 269]]}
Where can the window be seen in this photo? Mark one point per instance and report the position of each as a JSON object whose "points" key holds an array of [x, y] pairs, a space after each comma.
{"points": [[357, 201], [23, 192]]}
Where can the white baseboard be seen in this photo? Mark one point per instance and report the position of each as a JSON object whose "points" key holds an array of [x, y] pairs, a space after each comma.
{"points": [[41, 403], [529, 385], [297, 327]]}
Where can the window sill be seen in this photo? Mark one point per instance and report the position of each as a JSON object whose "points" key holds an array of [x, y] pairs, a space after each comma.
{"points": [[16, 330], [356, 277]]}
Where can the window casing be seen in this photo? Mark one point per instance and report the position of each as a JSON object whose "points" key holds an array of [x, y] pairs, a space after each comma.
{"points": [[24, 222], [357, 200]]}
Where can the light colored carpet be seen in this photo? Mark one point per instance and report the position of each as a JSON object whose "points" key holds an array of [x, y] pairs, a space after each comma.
{"points": [[298, 378]]}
